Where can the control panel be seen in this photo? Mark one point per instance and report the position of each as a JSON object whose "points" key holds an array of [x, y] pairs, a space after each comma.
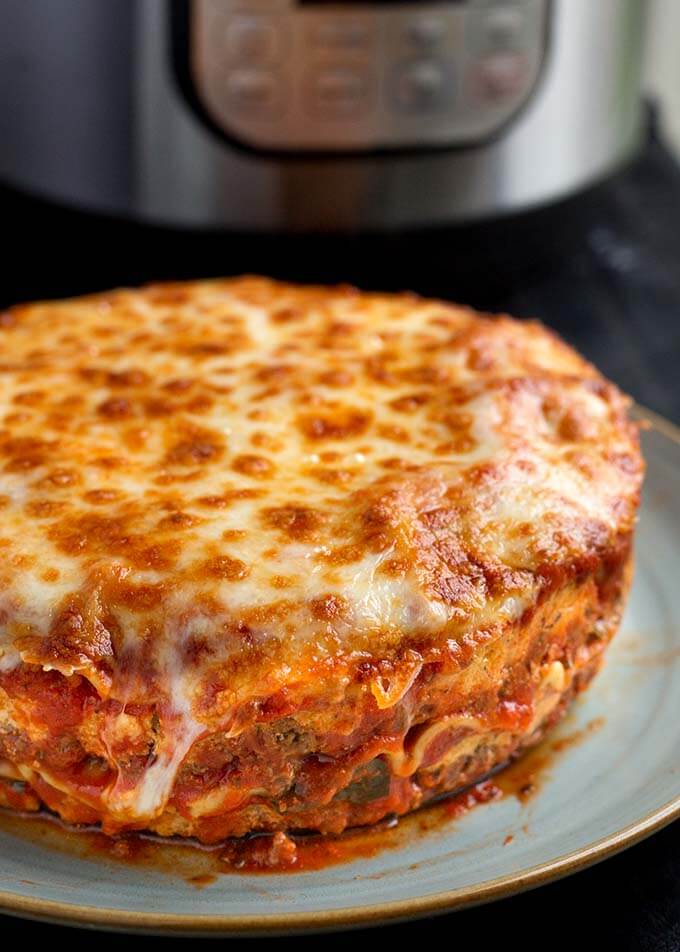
{"points": [[321, 76]]}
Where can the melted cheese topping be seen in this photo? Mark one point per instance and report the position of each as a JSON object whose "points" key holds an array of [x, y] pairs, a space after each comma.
{"points": [[218, 492]]}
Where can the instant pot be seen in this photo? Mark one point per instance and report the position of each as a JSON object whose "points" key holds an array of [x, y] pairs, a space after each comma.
{"points": [[310, 114]]}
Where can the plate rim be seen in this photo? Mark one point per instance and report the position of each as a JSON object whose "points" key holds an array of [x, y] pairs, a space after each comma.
{"points": [[349, 916], [374, 914]]}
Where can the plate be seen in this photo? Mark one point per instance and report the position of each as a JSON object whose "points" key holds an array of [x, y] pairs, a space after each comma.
{"points": [[618, 784]]}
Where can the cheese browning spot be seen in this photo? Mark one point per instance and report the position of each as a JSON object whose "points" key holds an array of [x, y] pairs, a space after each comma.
{"points": [[257, 466], [339, 424], [231, 570], [179, 520], [329, 607], [295, 522], [115, 408], [201, 449]]}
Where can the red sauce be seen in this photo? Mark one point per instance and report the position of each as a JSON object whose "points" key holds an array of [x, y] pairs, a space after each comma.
{"points": [[462, 803], [200, 866], [202, 880], [524, 777], [281, 853]]}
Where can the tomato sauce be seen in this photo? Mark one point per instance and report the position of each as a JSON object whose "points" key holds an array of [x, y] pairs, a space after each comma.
{"points": [[200, 865]]}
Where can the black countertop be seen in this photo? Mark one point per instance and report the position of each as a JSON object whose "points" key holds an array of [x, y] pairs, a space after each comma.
{"points": [[604, 270]]}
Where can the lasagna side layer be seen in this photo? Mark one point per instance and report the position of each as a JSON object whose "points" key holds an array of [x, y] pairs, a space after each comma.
{"points": [[294, 558]]}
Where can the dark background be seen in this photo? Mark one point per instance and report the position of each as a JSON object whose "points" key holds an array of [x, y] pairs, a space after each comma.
{"points": [[604, 270]]}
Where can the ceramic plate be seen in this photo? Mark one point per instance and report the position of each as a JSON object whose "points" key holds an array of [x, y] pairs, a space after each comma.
{"points": [[594, 799]]}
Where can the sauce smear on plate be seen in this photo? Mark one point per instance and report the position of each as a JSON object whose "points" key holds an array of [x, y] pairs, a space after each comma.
{"points": [[279, 853]]}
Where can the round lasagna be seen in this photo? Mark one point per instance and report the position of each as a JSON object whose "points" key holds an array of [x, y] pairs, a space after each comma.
{"points": [[280, 558]]}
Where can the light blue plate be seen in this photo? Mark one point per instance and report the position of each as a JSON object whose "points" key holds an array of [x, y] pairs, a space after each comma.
{"points": [[618, 784]]}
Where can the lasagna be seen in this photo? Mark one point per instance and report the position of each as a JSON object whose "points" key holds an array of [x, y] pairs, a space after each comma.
{"points": [[280, 558]]}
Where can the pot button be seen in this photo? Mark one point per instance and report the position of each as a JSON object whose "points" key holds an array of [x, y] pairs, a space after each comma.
{"points": [[254, 91], [423, 86], [338, 92], [426, 32], [505, 27], [252, 39], [502, 28], [501, 76]]}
